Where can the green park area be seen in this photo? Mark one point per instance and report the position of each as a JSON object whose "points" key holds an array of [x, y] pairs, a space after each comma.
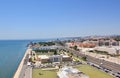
{"points": [[93, 72], [88, 70], [39, 73]]}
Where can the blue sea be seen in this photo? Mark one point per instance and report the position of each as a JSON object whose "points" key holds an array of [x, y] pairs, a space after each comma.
{"points": [[11, 53]]}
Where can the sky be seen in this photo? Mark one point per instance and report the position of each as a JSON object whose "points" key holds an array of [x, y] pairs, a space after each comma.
{"points": [[36, 19]]}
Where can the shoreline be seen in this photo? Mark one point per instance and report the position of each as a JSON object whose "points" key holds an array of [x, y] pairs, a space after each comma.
{"points": [[19, 68]]}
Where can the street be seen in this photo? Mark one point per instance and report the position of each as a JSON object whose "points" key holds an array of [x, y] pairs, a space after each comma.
{"points": [[105, 64]]}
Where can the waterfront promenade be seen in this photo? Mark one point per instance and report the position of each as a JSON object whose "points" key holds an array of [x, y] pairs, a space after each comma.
{"points": [[21, 65]]}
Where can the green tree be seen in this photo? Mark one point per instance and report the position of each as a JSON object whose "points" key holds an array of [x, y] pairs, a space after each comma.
{"points": [[30, 59], [55, 52], [72, 54], [75, 47], [84, 58]]}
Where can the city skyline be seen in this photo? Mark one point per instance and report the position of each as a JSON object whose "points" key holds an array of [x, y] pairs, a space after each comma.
{"points": [[52, 19]]}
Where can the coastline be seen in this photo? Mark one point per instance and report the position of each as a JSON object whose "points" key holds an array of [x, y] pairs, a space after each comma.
{"points": [[19, 68]]}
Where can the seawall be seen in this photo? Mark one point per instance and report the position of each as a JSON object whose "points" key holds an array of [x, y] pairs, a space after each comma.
{"points": [[18, 71]]}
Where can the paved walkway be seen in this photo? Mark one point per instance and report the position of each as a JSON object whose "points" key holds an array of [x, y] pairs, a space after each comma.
{"points": [[28, 72], [20, 72]]}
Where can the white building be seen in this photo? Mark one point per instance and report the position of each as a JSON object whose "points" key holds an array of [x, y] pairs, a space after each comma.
{"points": [[54, 58], [49, 47], [69, 72], [110, 50]]}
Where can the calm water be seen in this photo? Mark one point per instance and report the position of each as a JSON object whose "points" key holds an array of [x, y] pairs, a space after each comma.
{"points": [[11, 52]]}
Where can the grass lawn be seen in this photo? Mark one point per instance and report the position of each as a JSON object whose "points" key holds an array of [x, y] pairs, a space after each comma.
{"points": [[88, 70], [93, 72], [38, 73]]}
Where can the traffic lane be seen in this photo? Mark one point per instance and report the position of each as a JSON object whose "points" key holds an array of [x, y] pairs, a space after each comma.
{"points": [[103, 63], [106, 64]]}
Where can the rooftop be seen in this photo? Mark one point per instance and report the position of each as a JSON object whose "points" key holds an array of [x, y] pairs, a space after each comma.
{"points": [[43, 57], [69, 72]]}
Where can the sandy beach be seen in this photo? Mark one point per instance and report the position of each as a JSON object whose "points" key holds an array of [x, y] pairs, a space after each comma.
{"points": [[18, 71]]}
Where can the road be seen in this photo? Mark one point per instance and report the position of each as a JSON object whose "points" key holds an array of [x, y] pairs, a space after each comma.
{"points": [[109, 65]]}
